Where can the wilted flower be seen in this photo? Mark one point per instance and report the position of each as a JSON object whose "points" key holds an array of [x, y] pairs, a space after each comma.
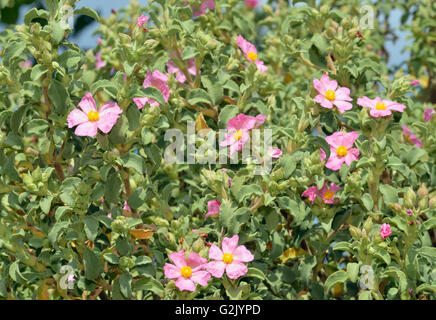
{"points": [[142, 20], [275, 153], [330, 94], [100, 63], [213, 207], [206, 4], [180, 76], [411, 137], [341, 149], [89, 119], [385, 230], [379, 107], [187, 272], [428, 114], [250, 52], [230, 259], [251, 3], [157, 80]]}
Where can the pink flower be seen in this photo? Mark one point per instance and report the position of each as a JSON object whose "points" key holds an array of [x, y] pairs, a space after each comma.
{"points": [[214, 208], [231, 259], [275, 153], [157, 80], [100, 63], [385, 230], [341, 149], [250, 52], [411, 137], [180, 76], [415, 83], [99, 41], [379, 107], [325, 193], [409, 212], [70, 278], [428, 114], [238, 128], [251, 3], [88, 120], [330, 94], [142, 20], [126, 206], [207, 4], [187, 272], [109, 216]]}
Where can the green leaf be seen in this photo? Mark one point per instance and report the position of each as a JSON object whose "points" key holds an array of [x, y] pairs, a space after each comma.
{"points": [[189, 52], [153, 93], [339, 276], [111, 258], [316, 57], [150, 284], [45, 204], [35, 13], [57, 32], [214, 88], [69, 59], [87, 12], [107, 85], [137, 198], [133, 116], [199, 96], [383, 255], [367, 201], [429, 224], [59, 96], [143, 260], [321, 143], [426, 286], [247, 191], [112, 188], [289, 164], [38, 71], [397, 274], [134, 161], [126, 285], [91, 227], [36, 127], [365, 295], [15, 274], [92, 264], [415, 154], [226, 114], [353, 271], [389, 194]]}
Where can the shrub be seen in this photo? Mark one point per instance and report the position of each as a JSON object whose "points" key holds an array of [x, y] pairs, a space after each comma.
{"points": [[94, 206]]}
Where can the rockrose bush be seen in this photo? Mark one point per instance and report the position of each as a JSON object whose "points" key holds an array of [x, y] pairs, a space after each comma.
{"points": [[219, 149]]}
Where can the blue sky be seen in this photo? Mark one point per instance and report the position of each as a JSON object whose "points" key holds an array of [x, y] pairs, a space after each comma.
{"points": [[87, 40]]}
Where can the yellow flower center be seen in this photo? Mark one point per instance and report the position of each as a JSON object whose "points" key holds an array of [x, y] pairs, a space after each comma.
{"points": [[252, 56], [380, 106], [328, 195], [227, 258], [237, 135], [186, 271], [341, 151], [93, 116], [330, 95]]}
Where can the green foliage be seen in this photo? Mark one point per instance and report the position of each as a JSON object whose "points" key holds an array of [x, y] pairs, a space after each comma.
{"points": [[113, 208]]}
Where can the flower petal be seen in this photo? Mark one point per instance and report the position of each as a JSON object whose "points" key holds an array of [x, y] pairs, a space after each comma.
{"points": [[76, 117], [215, 253], [201, 277], [87, 103], [216, 268], [229, 244], [171, 271], [86, 129], [243, 254], [178, 258], [185, 284], [235, 270]]}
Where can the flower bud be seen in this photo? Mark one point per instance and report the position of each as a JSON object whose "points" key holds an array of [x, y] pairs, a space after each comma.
{"points": [[355, 232], [368, 225], [127, 263], [422, 191], [119, 224], [410, 198]]}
